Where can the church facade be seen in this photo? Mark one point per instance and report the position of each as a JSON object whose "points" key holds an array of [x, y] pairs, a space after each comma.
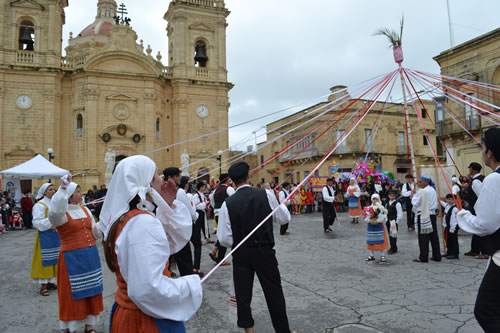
{"points": [[109, 91]]}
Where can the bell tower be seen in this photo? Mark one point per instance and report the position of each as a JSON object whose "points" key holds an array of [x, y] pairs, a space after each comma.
{"points": [[197, 38], [198, 74], [31, 32]]}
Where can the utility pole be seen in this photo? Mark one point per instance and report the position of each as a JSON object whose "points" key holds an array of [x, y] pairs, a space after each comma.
{"points": [[452, 40]]}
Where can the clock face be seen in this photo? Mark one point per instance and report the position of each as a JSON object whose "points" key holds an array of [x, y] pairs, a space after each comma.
{"points": [[24, 102], [202, 111]]}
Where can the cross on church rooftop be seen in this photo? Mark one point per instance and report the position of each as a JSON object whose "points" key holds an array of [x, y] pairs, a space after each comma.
{"points": [[123, 19]]}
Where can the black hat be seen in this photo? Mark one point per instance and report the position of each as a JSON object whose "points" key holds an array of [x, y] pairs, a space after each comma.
{"points": [[391, 191], [238, 171], [223, 177], [475, 166], [329, 179], [491, 140]]}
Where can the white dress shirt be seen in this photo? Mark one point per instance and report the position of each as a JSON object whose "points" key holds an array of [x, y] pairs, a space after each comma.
{"points": [[283, 195], [476, 184], [405, 192], [487, 219], [431, 199], [41, 222], [326, 196], [143, 248], [455, 189], [224, 231], [183, 197], [453, 218]]}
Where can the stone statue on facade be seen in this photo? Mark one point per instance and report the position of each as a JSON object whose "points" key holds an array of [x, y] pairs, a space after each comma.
{"points": [[109, 159], [185, 163]]}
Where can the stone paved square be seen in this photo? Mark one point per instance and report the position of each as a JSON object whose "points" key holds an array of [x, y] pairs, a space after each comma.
{"points": [[328, 286]]}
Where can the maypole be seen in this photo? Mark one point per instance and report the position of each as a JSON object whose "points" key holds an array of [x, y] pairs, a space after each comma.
{"points": [[395, 39]]}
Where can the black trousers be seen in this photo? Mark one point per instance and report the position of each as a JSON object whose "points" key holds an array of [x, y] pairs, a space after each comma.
{"points": [[328, 214], [284, 227], [423, 242], [260, 260], [28, 219], [196, 239], [392, 240], [476, 245], [221, 250], [452, 242], [184, 260], [410, 216], [487, 307]]}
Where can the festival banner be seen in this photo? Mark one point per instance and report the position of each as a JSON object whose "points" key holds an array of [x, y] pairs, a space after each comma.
{"points": [[317, 183]]}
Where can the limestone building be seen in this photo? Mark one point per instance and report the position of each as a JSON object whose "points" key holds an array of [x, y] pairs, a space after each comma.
{"points": [[387, 148], [109, 91], [476, 60]]}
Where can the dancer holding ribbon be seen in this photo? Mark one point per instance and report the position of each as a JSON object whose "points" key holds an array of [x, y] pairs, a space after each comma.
{"points": [[239, 215], [143, 225], [47, 243], [79, 276]]}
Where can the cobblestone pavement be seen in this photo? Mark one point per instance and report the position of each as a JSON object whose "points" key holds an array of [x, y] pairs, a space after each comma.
{"points": [[328, 286]]}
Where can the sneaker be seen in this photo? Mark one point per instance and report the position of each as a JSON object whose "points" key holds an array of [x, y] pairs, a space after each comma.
{"points": [[370, 258], [382, 259]]}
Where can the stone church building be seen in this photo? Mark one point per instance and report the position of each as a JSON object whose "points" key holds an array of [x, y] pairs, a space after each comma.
{"points": [[108, 91]]}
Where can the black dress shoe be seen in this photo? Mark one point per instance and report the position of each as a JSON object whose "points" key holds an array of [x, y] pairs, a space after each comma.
{"points": [[451, 257], [436, 260]]}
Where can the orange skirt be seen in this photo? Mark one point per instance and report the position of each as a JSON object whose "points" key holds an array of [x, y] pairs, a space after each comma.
{"points": [[70, 309], [132, 321], [381, 246]]}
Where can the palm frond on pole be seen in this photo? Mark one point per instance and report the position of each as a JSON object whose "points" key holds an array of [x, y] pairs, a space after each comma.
{"points": [[396, 41]]}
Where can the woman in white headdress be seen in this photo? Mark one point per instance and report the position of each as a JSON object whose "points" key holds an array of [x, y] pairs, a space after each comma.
{"points": [[79, 276], [46, 249], [353, 193], [138, 243], [456, 186]]}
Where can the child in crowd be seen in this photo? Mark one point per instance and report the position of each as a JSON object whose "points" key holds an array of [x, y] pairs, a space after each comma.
{"points": [[394, 215], [376, 238], [451, 227]]}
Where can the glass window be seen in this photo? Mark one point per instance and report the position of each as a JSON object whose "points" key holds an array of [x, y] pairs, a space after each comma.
{"points": [[79, 126]]}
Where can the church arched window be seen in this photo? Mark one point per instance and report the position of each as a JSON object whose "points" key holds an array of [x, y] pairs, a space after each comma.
{"points": [[158, 131], [79, 126], [200, 54], [27, 36]]}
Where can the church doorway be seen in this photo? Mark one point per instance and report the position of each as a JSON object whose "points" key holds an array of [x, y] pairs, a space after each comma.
{"points": [[118, 159]]}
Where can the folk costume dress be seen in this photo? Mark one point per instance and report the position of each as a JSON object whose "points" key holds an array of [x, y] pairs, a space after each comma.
{"points": [[376, 236], [47, 243], [147, 299], [79, 276], [353, 192]]}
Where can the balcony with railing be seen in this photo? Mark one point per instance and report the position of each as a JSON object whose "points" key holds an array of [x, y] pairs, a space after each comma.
{"points": [[452, 126], [308, 153], [25, 57]]}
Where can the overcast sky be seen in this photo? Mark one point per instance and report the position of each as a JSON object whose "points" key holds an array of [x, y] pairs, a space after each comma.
{"points": [[285, 52]]}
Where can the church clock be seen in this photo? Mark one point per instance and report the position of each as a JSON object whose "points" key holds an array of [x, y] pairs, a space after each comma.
{"points": [[24, 102], [202, 111]]}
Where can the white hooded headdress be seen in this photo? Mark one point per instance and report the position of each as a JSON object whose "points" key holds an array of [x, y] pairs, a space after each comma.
{"points": [[132, 177], [41, 191]]}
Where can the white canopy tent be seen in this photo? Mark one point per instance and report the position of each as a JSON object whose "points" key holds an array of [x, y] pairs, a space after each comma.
{"points": [[36, 168]]}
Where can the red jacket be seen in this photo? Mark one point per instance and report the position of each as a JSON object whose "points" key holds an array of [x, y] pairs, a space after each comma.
{"points": [[26, 205]]}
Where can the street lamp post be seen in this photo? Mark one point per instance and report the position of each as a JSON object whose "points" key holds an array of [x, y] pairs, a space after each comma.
{"points": [[50, 151], [219, 158]]}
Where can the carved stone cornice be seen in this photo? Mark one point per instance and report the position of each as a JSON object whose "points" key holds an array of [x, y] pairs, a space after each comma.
{"points": [[180, 103]]}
